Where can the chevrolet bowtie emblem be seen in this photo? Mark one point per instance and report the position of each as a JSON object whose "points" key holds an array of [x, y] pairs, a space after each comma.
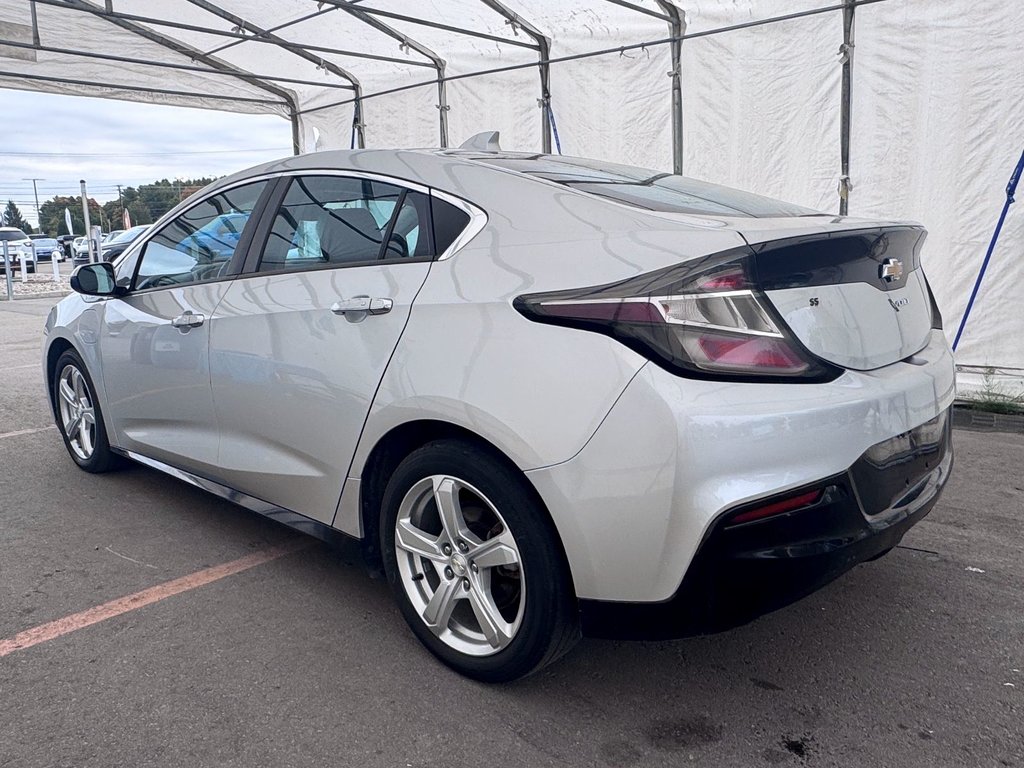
{"points": [[890, 270]]}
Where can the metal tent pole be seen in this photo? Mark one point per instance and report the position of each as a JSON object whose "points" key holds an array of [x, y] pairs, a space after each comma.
{"points": [[677, 28], [846, 107], [543, 43]]}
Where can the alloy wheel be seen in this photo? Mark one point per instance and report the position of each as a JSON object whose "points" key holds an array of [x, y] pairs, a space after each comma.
{"points": [[77, 412], [460, 565]]}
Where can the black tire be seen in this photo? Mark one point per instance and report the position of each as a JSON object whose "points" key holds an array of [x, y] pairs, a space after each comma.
{"points": [[549, 625], [101, 459]]}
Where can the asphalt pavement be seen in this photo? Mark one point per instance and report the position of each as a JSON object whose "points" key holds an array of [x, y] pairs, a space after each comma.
{"points": [[914, 660]]}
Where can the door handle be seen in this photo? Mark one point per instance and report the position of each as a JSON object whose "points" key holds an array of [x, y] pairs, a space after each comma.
{"points": [[188, 320], [360, 304]]}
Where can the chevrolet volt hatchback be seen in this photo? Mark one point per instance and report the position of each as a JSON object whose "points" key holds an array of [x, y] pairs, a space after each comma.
{"points": [[551, 396]]}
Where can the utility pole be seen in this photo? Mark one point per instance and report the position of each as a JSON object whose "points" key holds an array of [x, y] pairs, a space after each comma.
{"points": [[120, 202], [35, 191]]}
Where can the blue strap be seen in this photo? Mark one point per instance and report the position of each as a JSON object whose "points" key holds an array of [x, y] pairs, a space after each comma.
{"points": [[1011, 189], [554, 128]]}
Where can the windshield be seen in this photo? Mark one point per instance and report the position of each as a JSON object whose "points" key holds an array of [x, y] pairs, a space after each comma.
{"points": [[647, 189], [12, 234], [129, 234]]}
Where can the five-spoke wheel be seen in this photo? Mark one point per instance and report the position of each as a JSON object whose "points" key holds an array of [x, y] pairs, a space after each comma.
{"points": [[460, 565], [462, 537], [78, 415]]}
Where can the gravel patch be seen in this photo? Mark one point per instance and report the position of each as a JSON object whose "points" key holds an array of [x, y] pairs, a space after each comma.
{"points": [[39, 285]]}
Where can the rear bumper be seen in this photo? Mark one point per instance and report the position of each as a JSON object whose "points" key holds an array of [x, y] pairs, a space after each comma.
{"points": [[744, 570]]}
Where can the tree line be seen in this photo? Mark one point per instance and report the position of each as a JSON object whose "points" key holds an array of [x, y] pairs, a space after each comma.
{"points": [[145, 204]]}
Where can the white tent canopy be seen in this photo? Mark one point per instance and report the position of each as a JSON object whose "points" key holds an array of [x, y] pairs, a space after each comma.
{"points": [[930, 130]]}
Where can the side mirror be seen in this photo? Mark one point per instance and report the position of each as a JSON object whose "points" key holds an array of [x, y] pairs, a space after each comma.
{"points": [[95, 280]]}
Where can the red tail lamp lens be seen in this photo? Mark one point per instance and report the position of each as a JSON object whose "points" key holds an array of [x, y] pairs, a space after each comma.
{"points": [[778, 507], [734, 280], [750, 353]]}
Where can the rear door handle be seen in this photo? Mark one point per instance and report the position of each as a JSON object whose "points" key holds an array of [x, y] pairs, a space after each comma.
{"points": [[188, 320], [362, 304]]}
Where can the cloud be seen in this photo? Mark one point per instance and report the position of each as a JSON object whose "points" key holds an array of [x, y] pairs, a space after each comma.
{"points": [[64, 129]]}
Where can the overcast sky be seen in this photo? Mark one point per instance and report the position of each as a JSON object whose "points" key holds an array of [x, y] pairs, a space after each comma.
{"points": [[62, 139]]}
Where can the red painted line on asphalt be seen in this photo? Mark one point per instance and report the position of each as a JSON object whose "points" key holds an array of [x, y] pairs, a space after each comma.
{"points": [[86, 618]]}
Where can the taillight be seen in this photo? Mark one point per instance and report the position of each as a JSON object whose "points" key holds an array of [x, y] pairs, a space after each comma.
{"points": [[704, 319]]}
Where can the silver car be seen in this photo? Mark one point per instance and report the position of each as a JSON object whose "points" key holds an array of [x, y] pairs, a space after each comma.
{"points": [[550, 396]]}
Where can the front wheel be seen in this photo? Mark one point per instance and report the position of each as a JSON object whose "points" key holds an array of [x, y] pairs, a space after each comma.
{"points": [[78, 415], [474, 563]]}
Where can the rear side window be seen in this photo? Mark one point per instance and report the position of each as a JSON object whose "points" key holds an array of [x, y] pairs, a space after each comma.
{"points": [[449, 223], [330, 221], [648, 189]]}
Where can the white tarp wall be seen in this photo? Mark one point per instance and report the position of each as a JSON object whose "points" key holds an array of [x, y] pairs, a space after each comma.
{"points": [[937, 93]]}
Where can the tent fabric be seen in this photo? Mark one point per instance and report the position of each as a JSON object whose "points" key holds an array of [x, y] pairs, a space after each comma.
{"points": [[936, 119]]}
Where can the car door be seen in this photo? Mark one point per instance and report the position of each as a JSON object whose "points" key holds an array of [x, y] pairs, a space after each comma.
{"points": [[301, 340], [154, 339]]}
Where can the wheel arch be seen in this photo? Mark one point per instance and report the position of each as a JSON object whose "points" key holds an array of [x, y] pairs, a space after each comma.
{"points": [[57, 348], [398, 443]]}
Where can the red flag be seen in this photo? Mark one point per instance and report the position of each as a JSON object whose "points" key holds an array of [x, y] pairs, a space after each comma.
{"points": [[127, 219]]}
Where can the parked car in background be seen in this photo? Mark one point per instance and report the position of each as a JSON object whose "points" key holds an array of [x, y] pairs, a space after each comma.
{"points": [[116, 245], [19, 249], [552, 396], [48, 248], [66, 242], [109, 236]]}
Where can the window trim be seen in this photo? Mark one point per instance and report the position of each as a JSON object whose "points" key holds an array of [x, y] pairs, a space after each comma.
{"points": [[477, 222], [274, 194]]}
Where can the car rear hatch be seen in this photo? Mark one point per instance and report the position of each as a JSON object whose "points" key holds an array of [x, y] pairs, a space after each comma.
{"points": [[852, 293]]}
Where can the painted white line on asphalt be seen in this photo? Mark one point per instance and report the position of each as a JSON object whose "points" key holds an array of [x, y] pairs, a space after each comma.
{"points": [[20, 367], [27, 431]]}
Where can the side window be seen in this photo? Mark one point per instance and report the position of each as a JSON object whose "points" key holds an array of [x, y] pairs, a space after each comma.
{"points": [[449, 222], [198, 245], [334, 220]]}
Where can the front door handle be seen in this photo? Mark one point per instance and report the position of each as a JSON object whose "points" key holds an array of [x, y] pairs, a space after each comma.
{"points": [[188, 320], [361, 304]]}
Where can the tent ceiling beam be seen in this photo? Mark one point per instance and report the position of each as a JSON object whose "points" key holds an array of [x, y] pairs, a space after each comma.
{"points": [[445, 27], [237, 37], [641, 9], [275, 28], [188, 51], [143, 89], [297, 50], [408, 43], [250, 77]]}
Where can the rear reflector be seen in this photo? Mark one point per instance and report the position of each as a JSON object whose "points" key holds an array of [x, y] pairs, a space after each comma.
{"points": [[778, 507]]}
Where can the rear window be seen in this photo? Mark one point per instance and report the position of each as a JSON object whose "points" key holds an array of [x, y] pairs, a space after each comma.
{"points": [[12, 234], [648, 189]]}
